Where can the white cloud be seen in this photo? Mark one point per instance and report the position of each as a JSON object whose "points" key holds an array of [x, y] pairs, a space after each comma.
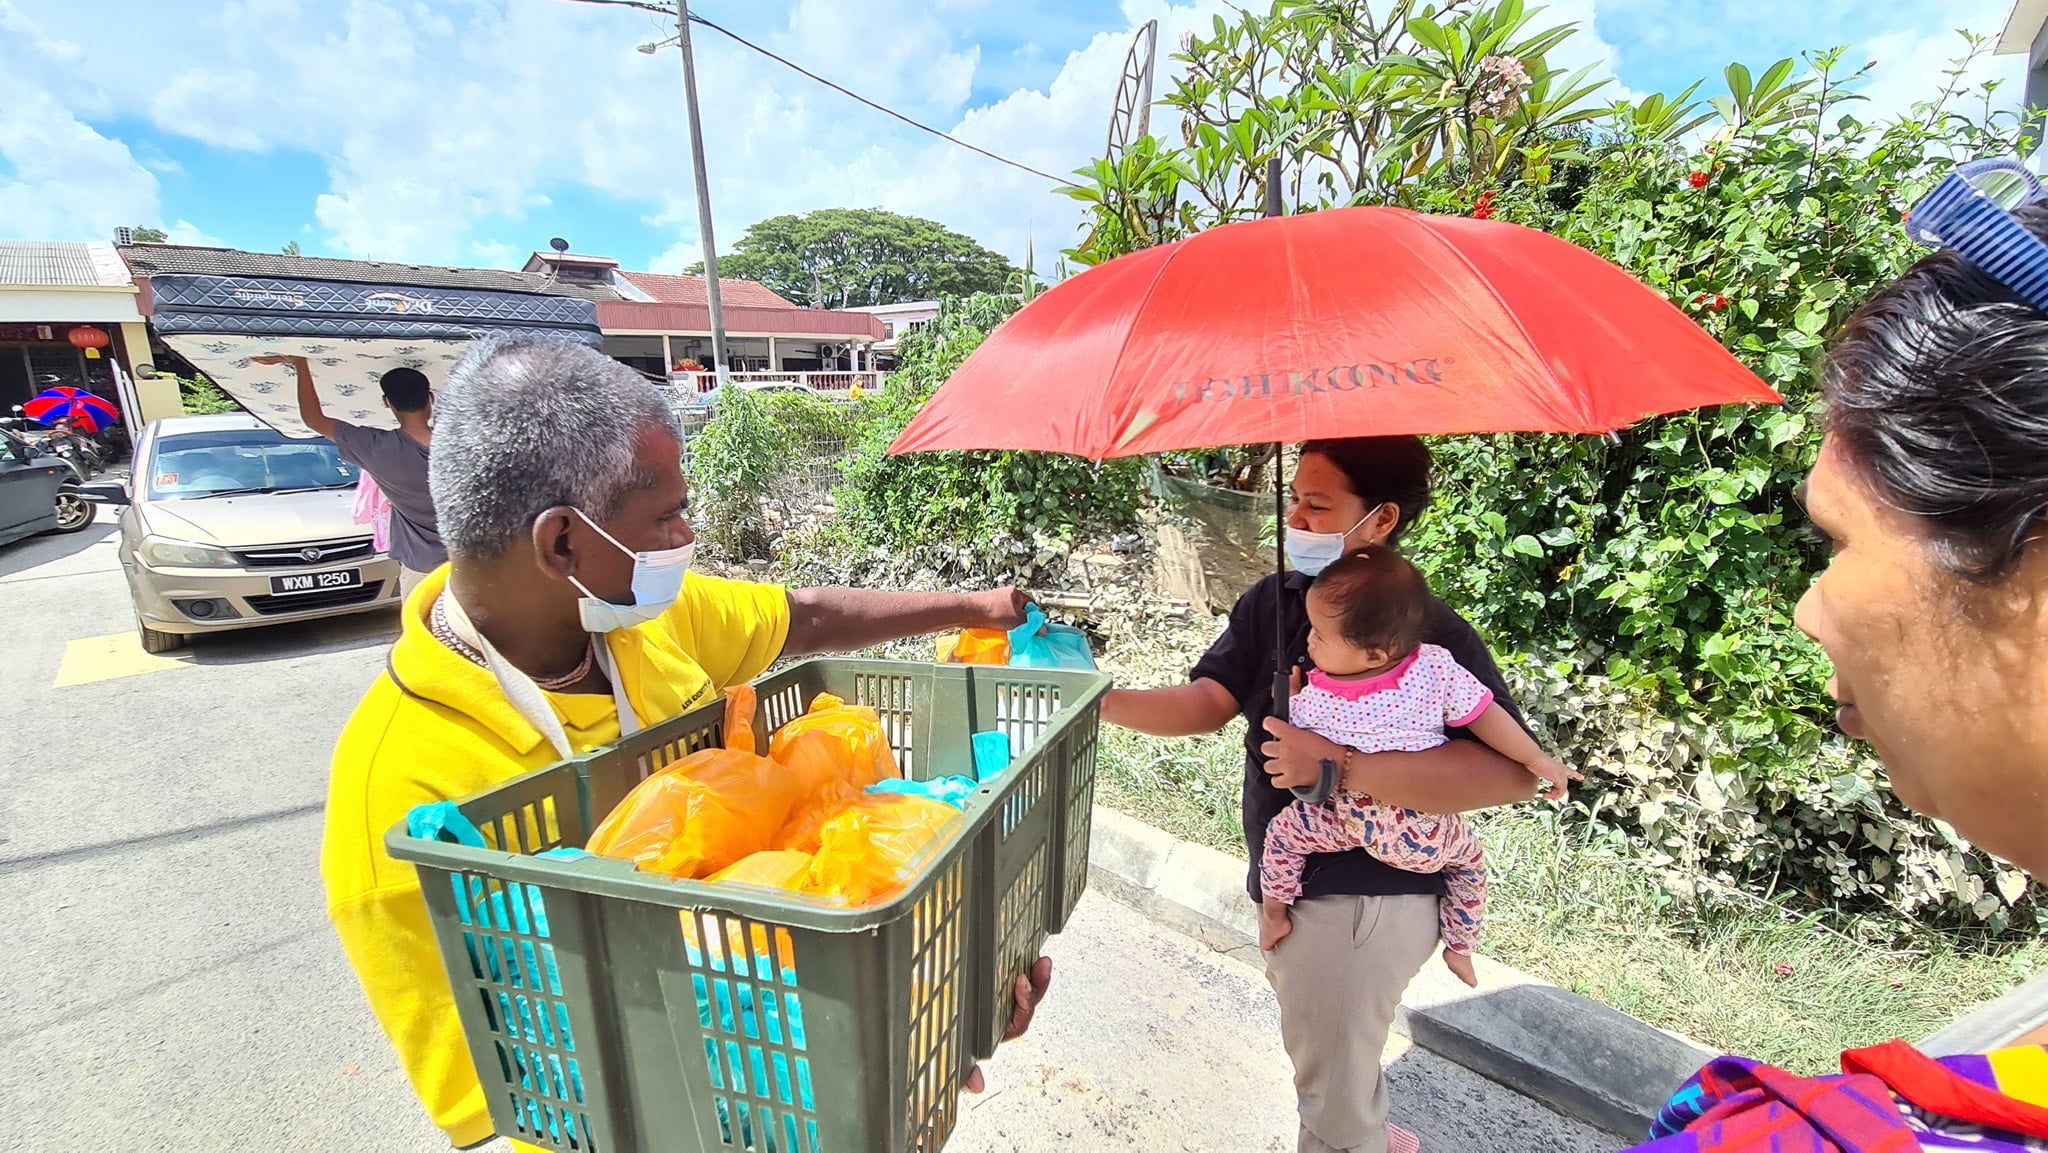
{"points": [[60, 178], [680, 255], [443, 124], [67, 181], [1912, 67], [186, 232]]}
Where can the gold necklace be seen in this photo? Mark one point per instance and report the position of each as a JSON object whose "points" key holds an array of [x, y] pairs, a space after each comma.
{"points": [[437, 623]]}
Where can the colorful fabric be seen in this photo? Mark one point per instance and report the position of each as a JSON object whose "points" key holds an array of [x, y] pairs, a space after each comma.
{"points": [[1403, 838], [1889, 1098], [1404, 709]]}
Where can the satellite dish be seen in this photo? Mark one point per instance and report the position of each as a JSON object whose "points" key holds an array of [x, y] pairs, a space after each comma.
{"points": [[558, 244]]}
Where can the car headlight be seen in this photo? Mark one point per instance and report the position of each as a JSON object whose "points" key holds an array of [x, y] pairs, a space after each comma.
{"points": [[162, 552]]}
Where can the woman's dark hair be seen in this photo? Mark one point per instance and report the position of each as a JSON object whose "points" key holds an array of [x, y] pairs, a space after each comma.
{"points": [[1382, 600], [1937, 389], [1382, 470]]}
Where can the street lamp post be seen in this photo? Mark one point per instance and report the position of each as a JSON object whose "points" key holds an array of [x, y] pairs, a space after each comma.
{"points": [[718, 358]]}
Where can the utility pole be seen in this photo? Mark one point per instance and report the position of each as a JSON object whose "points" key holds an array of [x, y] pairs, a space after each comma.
{"points": [[718, 360]]}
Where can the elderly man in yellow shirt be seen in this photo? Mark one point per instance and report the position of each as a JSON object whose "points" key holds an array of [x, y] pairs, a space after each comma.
{"points": [[567, 615]]}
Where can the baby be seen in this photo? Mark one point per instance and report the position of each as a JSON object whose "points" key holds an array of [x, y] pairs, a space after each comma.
{"points": [[1376, 688]]}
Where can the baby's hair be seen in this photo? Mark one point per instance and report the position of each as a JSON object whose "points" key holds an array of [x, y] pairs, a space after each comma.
{"points": [[1381, 599]]}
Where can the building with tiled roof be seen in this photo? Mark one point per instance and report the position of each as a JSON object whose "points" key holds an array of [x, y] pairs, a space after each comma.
{"points": [[659, 321], [69, 316]]}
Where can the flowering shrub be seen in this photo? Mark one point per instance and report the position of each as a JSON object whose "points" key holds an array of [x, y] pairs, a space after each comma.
{"points": [[1657, 574]]}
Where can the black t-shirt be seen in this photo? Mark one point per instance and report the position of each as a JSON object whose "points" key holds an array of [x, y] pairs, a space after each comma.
{"points": [[1241, 661]]}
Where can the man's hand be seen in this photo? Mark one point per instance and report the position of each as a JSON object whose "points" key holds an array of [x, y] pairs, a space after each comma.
{"points": [[1031, 989], [310, 412], [1294, 757], [1002, 608]]}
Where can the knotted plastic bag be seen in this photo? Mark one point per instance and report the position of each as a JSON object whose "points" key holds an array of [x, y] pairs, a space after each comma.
{"points": [[776, 868], [865, 853], [834, 742], [1038, 645], [706, 811], [800, 832]]}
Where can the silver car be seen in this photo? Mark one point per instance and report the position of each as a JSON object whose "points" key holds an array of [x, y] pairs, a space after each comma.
{"points": [[230, 524]]}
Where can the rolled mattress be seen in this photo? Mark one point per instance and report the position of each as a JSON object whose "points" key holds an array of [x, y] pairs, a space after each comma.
{"points": [[350, 334]]}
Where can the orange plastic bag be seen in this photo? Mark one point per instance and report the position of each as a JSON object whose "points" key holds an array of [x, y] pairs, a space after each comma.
{"points": [[800, 832], [975, 647], [834, 741], [776, 868], [706, 811], [865, 853]]}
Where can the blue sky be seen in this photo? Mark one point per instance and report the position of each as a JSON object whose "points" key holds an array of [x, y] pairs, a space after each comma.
{"points": [[471, 131]]}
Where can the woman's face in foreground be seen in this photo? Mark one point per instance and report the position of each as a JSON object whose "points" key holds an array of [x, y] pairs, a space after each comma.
{"points": [[1945, 679]]}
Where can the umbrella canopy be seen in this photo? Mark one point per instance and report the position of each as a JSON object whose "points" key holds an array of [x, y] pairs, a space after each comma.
{"points": [[1348, 322], [86, 411]]}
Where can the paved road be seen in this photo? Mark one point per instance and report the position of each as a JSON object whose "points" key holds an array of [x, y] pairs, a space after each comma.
{"points": [[170, 979]]}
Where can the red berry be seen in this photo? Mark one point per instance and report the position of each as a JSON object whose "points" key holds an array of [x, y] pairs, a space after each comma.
{"points": [[1697, 179]]}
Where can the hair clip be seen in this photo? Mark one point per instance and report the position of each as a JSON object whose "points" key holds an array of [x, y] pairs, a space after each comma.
{"points": [[1971, 212]]}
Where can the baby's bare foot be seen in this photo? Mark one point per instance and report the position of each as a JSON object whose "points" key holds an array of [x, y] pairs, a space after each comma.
{"points": [[1461, 964]]}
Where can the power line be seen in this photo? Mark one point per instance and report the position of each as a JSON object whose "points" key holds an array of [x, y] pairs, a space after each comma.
{"points": [[842, 90]]}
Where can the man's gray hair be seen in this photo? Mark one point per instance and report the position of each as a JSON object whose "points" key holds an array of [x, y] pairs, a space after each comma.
{"points": [[526, 424]]}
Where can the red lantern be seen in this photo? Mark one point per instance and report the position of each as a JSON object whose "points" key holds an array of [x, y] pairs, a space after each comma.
{"points": [[90, 339]]}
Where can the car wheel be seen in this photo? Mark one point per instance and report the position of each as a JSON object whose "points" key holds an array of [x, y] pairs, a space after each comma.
{"points": [[74, 512], [156, 642]]}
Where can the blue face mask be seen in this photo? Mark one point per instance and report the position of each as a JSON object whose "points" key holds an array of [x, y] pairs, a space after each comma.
{"points": [[657, 582], [1312, 552]]}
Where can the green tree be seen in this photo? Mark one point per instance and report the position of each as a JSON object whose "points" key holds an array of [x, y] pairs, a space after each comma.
{"points": [[144, 234], [982, 501], [842, 257], [291, 248]]}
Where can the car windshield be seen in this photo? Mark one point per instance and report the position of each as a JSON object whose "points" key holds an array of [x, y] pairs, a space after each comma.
{"points": [[191, 465]]}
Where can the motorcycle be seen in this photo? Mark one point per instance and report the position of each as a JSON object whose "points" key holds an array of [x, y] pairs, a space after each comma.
{"points": [[79, 452]]}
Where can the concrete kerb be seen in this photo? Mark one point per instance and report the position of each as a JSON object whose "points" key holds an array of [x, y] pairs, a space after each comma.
{"points": [[1577, 1056]]}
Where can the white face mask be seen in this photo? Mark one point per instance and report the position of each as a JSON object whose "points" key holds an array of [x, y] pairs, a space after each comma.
{"points": [[1312, 552], [657, 582]]}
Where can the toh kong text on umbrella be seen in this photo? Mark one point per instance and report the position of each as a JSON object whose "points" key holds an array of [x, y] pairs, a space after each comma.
{"points": [[1349, 322]]}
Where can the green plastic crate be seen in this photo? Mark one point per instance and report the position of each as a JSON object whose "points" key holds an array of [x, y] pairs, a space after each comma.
{"points": [[614, 1011]]}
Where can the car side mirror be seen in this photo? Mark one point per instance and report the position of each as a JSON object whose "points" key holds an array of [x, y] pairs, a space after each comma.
{"points": [[104, 492]]}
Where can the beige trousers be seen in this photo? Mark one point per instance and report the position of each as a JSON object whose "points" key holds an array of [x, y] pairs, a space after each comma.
{"points": [[408, 580], [1338, 977]]}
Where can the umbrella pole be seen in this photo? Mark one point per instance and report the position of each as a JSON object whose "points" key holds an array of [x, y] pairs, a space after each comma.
{"points": [[1280, 671], [1280, 677]]}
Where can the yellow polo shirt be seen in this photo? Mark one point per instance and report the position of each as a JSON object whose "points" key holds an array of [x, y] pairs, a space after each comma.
{"points": [[436, 727]]}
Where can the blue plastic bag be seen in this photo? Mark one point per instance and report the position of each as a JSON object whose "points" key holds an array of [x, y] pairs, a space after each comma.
{"points": [[991, 754], [953, 791], [1038, 645]]}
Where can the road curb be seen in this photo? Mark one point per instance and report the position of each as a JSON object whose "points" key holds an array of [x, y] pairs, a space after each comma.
{"points": [[1575, 1055]]}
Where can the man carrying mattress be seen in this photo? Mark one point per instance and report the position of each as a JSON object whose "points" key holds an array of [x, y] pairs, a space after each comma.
{"points": [[395, 458], [567, 616]]}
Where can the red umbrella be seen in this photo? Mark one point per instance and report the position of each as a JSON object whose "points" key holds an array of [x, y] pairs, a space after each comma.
{"points": [[1349, 322], [88, 411]]}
